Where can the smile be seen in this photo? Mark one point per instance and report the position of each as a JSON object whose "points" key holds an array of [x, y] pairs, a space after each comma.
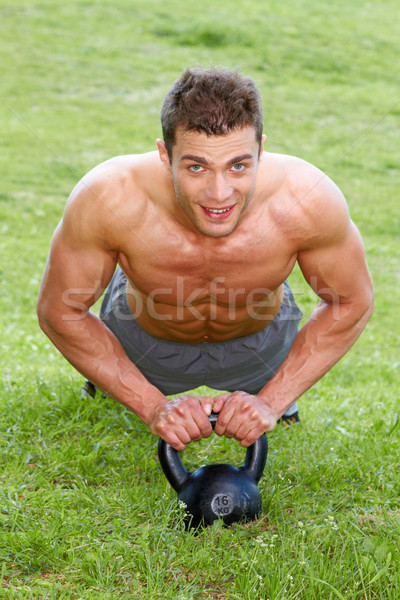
{"points": [[217, 213]]}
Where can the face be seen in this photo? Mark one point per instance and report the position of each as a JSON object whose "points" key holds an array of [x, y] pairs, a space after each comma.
{"points": [[213, 177]]}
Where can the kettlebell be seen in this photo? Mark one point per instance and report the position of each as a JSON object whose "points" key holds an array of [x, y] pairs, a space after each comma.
{"points": [[217, 491]]}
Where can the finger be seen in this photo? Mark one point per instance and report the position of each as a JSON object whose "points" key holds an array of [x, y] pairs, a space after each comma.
{"points": [[244, 431], [219, 401], [187, 418], [251, 437], [200, 414], [176, 423], [194, 418], [263, 426], [224, 418], [206, 402], [234, 414], [173, 438], [176, 443]]}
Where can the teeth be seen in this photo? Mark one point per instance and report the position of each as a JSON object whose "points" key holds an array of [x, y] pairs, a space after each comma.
{"points": [[214, 210]]}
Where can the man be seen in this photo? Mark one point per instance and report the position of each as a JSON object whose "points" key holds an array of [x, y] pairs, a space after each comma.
{"points": [[205, 232]]}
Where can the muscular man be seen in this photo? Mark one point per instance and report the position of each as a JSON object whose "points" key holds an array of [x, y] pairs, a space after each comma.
{"points": [[205, 232]]}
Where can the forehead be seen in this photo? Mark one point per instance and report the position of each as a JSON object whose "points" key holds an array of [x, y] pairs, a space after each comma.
{"points": [[215, 147]]}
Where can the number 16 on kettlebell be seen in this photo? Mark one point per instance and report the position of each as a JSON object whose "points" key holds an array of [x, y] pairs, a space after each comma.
{"points": [[218, 491]]}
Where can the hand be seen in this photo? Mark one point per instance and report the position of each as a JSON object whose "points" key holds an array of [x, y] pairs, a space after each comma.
{"points": [[182, 420], [243, 416]]}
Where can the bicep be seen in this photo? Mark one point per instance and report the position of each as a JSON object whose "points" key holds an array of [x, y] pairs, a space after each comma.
{"points": [[338, 272], [77, 272]]}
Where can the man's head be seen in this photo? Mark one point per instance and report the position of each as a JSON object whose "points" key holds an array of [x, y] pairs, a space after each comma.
{"points": [[211, 101]]}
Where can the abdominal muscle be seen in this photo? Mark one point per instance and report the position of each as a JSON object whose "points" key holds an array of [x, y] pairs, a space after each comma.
{"points": [[204, 319]]}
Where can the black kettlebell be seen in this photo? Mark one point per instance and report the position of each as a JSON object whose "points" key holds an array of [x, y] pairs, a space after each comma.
{"points": [[218, 491]]}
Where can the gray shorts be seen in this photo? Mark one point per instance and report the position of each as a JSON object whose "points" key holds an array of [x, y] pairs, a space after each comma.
{"points": [[244, 363]]}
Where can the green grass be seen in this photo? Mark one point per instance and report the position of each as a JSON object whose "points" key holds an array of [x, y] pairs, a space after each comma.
{"points": [[85, 512]]}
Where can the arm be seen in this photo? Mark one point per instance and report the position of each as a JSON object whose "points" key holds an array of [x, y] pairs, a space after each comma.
{"points": [[339, 275], [81, 263], [79, 267], [332, 261]]}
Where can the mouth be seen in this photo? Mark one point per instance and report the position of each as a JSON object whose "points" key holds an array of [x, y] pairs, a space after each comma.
{"points": [[217, 214]]}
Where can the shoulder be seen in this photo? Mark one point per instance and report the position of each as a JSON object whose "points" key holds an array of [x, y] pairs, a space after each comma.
{"points": [[110, 181], [304, 202], [110, 196]]}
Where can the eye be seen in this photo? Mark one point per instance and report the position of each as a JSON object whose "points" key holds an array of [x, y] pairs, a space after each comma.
{"points": [[196, 168], [238, 167]]}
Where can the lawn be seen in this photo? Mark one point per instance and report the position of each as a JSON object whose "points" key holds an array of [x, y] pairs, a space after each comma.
{"points": [[85, 511]]}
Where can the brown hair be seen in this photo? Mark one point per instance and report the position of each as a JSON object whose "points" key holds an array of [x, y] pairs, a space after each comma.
{"points": [[211, 101]]}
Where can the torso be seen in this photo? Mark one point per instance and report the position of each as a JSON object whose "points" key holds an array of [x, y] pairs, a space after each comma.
{"points": [[190, 298], [190, 288]]}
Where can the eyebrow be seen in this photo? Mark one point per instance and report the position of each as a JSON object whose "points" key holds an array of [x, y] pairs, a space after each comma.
{"points": [[203, 161]]}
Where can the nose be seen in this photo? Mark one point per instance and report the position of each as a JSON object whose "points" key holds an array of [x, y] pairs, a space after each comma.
{"points": [[219, 189]]}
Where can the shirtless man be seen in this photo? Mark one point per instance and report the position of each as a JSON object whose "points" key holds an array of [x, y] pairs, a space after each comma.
{"points": [[205, 232]]}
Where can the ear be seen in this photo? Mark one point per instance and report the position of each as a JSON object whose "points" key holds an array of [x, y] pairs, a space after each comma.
{"points": [[263, 138], [162, 151]]}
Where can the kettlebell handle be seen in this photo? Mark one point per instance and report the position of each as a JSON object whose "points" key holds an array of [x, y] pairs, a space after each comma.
{"points": [[176, 474]]}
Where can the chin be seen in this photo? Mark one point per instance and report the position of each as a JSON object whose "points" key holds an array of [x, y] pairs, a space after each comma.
{"points": [[221, 231]]}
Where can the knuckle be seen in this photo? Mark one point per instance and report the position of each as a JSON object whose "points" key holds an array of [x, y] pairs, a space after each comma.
{"points": [[180, 411], [162, 429], [191, 402]]}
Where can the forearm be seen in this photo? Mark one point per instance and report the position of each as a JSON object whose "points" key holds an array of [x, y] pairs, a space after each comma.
{"points": [[322, 341], [96, 353]]}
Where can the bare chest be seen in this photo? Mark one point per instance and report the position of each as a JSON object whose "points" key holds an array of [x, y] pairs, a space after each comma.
{"points": [[183, 291], [226, 275]]}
